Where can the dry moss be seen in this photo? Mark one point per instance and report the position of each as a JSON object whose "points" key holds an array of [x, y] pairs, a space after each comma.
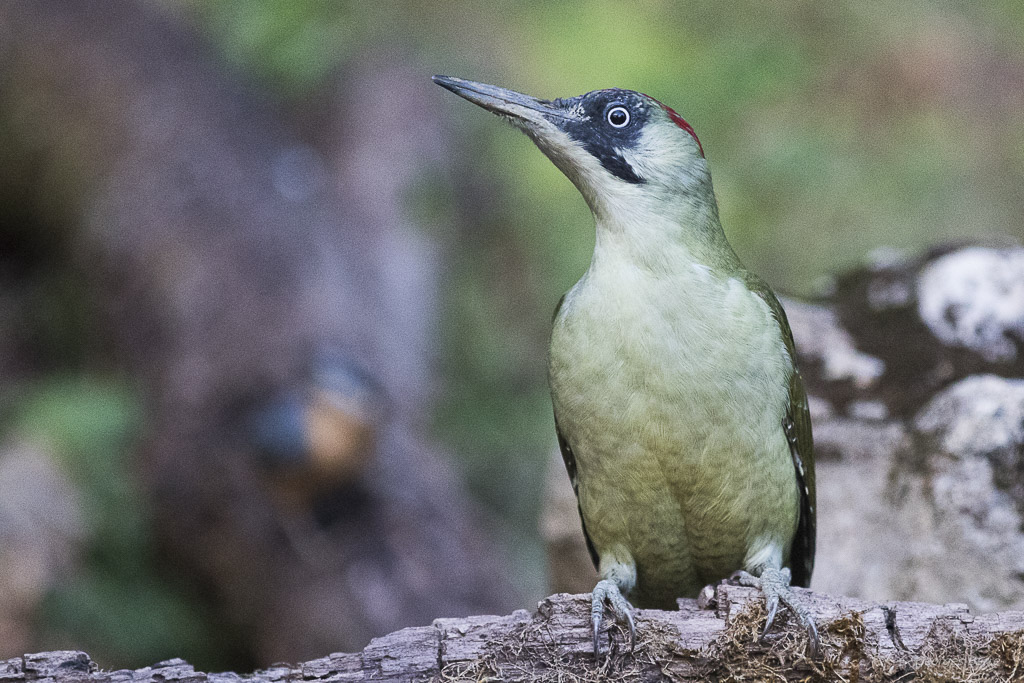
{"points": [[953, 654], [739, 654], [1008, 648], [531, 653]]}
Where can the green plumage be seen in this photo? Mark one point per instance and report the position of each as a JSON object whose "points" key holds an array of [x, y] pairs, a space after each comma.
{"points": [[686, 508], [801, 444], [680, 413]]}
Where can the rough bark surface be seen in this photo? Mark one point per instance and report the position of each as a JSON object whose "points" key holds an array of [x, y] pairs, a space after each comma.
{"points": [[862, 641]]}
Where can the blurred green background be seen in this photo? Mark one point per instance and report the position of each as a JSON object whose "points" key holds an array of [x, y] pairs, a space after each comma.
{"points": [[832, 129]]}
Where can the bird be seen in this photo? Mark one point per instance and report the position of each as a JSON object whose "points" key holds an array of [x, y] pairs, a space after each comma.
{"points": [[315, 438], [679, 410]]}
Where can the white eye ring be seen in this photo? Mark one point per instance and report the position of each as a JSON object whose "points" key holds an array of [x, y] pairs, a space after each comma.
{"points": [[615, 111]]}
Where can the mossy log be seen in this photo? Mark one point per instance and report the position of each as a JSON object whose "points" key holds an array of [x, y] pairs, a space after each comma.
{"points": [[861, 641]]}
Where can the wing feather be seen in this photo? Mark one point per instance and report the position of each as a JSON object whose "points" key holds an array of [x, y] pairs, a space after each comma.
{"points": [[570, 467], [797, 426]]}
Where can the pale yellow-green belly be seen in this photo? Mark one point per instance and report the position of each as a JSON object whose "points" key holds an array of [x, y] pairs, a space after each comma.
{"points": [[688, 514], [681, 457]]}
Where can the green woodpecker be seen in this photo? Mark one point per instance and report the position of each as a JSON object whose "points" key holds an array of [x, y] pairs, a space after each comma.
{"points": [[680, 413]]}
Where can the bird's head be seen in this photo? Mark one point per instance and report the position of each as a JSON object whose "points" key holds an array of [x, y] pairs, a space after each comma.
{"points": [[625, 151]]}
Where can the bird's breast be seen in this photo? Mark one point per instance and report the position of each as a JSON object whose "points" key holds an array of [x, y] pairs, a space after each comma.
{"points": [[671, 391], [688, 350]]}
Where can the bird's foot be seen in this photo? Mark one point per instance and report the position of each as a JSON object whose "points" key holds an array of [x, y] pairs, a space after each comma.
{"points": [[775, 584], [607, 592]]}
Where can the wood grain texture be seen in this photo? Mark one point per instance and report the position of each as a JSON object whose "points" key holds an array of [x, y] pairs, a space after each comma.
{"points": [[862, 641]]}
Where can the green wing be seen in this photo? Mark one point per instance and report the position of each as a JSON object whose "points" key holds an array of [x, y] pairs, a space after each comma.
{"points": [[569, 458], [797, 426], [570, 467]]}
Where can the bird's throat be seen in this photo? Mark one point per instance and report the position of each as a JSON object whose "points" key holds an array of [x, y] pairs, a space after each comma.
{"points": [[666, 239]]}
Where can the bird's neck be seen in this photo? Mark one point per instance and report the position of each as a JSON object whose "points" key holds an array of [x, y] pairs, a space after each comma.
{"points": [[665, 236]]}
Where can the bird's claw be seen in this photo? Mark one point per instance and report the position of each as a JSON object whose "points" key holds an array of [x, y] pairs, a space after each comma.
{"points": [[789, 598], [771, 602], [775, 584], [607, 592]]}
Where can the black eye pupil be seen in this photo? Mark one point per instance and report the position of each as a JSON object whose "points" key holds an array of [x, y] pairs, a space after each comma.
{"points": [[618, 116]]}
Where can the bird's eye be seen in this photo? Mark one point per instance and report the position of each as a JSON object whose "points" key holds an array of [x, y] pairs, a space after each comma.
{"points": [[618, 117]]}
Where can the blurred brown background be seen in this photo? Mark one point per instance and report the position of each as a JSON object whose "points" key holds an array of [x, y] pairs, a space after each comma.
{"points": [[274, 308]]}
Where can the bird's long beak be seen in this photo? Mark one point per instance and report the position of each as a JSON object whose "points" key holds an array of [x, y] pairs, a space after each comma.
{"points": [[548, 124], [522, 109]]}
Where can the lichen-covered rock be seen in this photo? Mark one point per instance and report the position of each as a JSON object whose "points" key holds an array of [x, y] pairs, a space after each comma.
{"points": [[823, 340], [974, 298], [975, 430], [982, 415], [901, 329]]}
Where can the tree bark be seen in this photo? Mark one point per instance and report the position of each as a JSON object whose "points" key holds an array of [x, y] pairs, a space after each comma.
{"points": [[895, 641]]}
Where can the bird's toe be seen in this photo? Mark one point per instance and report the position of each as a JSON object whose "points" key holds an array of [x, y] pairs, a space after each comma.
{"points": [[771, 603], [744, 578], [775, 584], [797, 607], [608, 593]]}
